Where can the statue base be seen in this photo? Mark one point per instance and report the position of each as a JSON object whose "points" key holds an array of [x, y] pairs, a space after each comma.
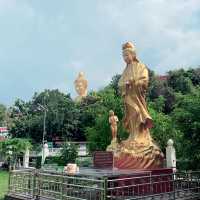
{"points": [[128, 161], [113, 145], [132, 154]]}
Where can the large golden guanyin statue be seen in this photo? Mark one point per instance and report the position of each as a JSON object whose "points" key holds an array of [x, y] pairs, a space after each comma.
{"points": [[139, 151]]}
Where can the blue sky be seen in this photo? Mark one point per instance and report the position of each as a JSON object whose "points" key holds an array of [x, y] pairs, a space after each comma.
{"points": [[45, 43]]}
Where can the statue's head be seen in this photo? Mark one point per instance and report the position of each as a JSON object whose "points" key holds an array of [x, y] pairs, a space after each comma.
{"points": [[111, 113], [129, 52], [170, 142], [81, 74], [81, 84]]}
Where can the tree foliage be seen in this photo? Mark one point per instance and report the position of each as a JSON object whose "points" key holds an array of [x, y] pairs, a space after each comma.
{"points": [[62, 116], [2, 114], [187, 119], [11, 149], [68, 153]]}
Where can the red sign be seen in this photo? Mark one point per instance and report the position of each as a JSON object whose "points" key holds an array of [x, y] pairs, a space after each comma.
{"points": [[3, 129]]}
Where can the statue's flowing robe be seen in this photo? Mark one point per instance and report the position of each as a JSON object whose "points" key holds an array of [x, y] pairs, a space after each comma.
{"points": [[137, 120], [139, 151]]}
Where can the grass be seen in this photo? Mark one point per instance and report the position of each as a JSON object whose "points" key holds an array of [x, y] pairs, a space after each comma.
{"points": [[3, 183]]}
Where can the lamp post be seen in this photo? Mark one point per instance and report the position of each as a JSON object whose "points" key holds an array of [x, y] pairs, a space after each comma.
{"points": [[43, 108]]}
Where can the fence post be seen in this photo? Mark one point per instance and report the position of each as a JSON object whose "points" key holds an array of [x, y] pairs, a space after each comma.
{"points": [[105, 188], [62, 186], [9, 182], [36, 185], [151, 184], [174, 186]]}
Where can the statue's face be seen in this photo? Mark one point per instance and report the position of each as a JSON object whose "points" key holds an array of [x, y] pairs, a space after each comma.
{"points": [[80, 88], [128, 56]]}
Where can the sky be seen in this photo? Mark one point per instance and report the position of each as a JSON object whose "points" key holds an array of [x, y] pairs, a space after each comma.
{"points": [[46, 43]]}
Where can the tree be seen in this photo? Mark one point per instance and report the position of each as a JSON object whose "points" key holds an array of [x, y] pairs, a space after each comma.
{"points": [[2, 115], [164, 129], [194, 75], [62, 116], [98, 134], [187, 119], [114, 83], [68, 153], [158, 104], [155, 86], [158, 88], [180, 82], [11, 149]]}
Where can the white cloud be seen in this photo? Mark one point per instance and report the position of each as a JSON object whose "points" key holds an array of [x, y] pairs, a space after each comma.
{"points": [[7, 4], [59, 39], [159, 25]]}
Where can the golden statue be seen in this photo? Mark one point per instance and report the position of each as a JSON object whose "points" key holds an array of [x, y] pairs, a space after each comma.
{"points": [[137, 121], [81, 85], [113, 119]]}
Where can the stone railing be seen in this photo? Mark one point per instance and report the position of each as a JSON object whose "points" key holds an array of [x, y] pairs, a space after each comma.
{"points": [[82, 150]]}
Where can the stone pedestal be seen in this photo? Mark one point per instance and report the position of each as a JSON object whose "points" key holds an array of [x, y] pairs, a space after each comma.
{"points": [[45, 152], [171, 154], [103, 159], [137, 180], [128, 161], [26, 159], [113, 145], [132, 154]]}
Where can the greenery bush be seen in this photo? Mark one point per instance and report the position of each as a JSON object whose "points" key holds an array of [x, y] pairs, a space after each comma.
{"points": [[54, 160], [12, 149], [84, 161], [68, 153], [38, 162]]}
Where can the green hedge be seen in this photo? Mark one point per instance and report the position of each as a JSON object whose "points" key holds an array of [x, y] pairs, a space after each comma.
{"points": [[84, 161], [54, 160]]}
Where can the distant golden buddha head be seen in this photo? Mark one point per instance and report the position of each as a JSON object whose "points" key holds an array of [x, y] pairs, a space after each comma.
{"points": [[81, 85], [129, 52]]}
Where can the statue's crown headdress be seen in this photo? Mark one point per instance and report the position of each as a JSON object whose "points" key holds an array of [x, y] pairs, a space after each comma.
{"points": [[128, 46]]}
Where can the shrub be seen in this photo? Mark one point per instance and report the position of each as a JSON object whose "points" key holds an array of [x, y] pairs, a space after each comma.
{"points": [[68, 153], [84, 161]]}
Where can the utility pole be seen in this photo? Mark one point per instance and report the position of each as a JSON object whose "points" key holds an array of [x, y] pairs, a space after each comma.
{"points": [[44, 109], [44, 133]]}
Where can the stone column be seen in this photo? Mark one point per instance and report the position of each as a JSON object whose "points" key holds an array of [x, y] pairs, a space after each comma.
{"points": [[171, 155], [26, 159]]}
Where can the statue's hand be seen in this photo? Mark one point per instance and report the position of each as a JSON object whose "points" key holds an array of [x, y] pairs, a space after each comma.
{"points": [[132, 81], [129, 84]]}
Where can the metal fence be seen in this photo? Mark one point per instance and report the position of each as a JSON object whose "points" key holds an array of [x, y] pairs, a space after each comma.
{"points": [[169, 186], [46, 185]]}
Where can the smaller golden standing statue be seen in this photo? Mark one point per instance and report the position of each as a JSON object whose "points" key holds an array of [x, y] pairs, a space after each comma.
{"points": [[81, 85], [113, 119]]}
